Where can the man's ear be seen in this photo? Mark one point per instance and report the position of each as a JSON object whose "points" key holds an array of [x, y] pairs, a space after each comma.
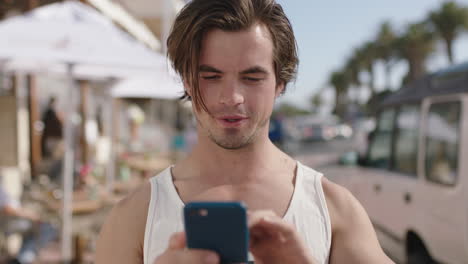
{"points": [[188, 89], [279, 89]]}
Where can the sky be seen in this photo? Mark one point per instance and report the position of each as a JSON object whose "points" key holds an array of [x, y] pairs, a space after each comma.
{"points": [[328, 31]]}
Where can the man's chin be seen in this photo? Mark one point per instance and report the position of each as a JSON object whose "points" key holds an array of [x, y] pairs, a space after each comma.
{"points": [[232, 139], [231, 145]]}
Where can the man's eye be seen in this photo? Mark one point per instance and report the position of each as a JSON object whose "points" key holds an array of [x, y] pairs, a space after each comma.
{"points": [[212, 77], [253, 79]]}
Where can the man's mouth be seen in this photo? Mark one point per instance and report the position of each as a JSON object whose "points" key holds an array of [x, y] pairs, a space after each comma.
{"points": [[232, 120]]}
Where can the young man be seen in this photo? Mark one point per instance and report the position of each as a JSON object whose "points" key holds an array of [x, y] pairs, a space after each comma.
{"points": [[235, 58]]}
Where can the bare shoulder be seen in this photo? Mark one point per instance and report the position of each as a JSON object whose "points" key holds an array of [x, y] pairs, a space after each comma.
{"points": [[122, 235], [341, 203], [346, 212], [136, 201], [353, 236]]}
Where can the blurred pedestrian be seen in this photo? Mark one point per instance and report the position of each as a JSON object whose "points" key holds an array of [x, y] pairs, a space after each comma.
{"points": [[179, 144], [276, 132], [16, 219], [52, 144], [53, 130], [136, 118], [190, 136]]}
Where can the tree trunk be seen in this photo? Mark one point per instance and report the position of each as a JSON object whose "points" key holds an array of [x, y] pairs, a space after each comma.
{"points": [[417, 69], [372, 81], [337, 102], [388, 71], [449, 49], [340, 102]]}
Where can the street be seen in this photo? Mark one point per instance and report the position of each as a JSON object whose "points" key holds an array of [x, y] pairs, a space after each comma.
{"points": [[318, 153]]}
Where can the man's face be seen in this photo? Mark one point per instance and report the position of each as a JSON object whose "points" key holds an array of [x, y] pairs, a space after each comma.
{"points": [[238, 85]]}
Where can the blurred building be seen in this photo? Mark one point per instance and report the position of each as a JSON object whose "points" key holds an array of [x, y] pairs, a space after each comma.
{"points": [[157, 15], [23, 97]]}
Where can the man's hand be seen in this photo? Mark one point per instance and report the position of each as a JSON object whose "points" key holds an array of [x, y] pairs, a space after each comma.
{"points": [[272, 240], [21, 213], [178, 253]]}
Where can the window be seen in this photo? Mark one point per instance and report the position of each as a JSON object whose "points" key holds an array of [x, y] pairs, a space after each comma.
{"points": [[406, 141], [442, 140], [381, 145]]}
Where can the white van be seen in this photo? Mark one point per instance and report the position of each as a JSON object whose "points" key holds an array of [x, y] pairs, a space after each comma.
{"points": [[413, 181]]}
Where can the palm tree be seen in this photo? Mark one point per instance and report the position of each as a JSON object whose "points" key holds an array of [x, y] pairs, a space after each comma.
{"points": [[366, 56], [316, 102], [449, 21], [415, 46], [386, 50], [340, 82], [352, 69]]}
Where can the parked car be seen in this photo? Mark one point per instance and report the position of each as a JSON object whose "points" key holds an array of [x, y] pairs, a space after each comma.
{"points": [[321, 129], [413, 179]]}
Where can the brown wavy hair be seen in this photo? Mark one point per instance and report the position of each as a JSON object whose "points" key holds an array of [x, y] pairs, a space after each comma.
{"points": [[200, 16]]}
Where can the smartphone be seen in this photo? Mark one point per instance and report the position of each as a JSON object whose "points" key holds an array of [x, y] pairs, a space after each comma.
{"points": [[218, 226]]}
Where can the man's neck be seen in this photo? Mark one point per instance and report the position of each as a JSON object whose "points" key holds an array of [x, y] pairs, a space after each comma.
{"points": [[212, 163]]}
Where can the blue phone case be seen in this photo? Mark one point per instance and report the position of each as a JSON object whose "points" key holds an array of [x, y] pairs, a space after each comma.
{"points": [[218, 226]]}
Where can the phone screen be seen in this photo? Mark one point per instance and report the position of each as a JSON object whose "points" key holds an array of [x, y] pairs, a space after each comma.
{"points": [[218, 226]]}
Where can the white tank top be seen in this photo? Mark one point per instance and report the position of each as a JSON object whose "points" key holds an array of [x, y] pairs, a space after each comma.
{"points": [[307, 212]]}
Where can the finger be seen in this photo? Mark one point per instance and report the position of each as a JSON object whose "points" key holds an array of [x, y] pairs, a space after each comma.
{"points": [[257, 235], [177, 241], [197, 256], [272, 227], [255, 216], [192, 256], [276, 225], [261, 233]]}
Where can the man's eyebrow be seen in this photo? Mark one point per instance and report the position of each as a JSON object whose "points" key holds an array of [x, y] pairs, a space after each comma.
{"points": [[255, 69], [207, 68]]}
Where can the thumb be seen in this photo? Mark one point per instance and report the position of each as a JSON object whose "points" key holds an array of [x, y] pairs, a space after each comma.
{"points": [[177, 241], [275, 226]]}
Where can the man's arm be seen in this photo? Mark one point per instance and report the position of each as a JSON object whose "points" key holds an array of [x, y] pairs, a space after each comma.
{"points": [[12, 207], [20, 212], [122, 235], [353, 236]]}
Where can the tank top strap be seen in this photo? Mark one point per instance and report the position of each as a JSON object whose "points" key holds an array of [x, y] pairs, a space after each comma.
{"points": [[310, 212], [150, 218], [165, 210]]}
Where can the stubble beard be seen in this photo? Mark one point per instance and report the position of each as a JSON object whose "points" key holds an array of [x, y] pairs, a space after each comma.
{"points": [[232, 139]]}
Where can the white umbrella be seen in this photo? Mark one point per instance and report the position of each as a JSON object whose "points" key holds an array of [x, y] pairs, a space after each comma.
{"points": [[163, 84], [80, 71], [71, 32], [77, 36]]}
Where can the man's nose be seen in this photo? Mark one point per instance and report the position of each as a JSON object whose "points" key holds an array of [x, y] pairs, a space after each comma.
{"points": [[231, 94]]}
